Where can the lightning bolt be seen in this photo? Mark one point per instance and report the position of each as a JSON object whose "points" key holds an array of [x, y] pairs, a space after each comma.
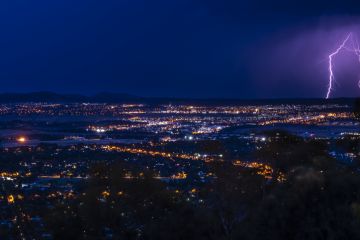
{"points": [[354, 48]]}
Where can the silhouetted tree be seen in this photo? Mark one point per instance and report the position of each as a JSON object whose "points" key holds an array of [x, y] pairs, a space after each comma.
{"points": [[284, 152], [357, 108], [318, 200], [233, 193]]}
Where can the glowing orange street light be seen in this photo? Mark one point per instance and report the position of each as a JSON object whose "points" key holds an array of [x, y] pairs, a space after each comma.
{"points": [[21, 139], [10, 199]]}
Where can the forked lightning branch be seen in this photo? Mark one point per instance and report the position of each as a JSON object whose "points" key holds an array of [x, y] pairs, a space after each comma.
{"points": [[350, 44]]}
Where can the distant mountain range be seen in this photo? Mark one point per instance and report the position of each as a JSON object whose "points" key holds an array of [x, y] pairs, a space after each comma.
{"points": [[63, 98], [107, 97]]}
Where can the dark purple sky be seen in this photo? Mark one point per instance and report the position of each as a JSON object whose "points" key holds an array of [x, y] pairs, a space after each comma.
{"points": [[178, 48]]}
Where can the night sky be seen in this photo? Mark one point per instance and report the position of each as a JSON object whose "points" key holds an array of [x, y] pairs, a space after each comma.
{"points": [[177, 48]]}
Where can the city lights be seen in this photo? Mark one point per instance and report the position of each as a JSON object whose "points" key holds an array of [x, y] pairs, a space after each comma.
{"points": [[21, 139]]}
